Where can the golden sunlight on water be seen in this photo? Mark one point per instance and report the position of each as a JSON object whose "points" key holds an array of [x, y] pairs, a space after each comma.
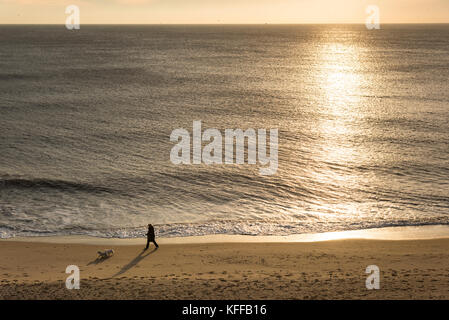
{"points": [[340, 96], [339, 85]]}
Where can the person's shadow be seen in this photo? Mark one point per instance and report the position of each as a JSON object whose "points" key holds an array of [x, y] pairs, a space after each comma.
{"points": [[134, 262]]}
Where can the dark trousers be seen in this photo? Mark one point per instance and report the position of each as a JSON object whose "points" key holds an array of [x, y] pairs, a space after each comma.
{"points": [[151, 240]]}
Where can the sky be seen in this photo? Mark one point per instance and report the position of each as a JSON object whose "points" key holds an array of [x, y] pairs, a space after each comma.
{"points": [[222, 11]]}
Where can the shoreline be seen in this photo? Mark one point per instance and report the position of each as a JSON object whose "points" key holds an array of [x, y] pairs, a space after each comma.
{"points": [[427, 232]]}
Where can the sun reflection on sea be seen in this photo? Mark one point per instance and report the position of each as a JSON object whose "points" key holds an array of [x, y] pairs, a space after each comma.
{"points": [[339, 85]]}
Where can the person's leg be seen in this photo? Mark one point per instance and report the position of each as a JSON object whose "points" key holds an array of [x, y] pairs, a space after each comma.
{"points": [[148, 243], [154, 241]]}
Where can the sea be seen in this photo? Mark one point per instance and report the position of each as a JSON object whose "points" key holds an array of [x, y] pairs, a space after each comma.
{"points": [[86, 117]]}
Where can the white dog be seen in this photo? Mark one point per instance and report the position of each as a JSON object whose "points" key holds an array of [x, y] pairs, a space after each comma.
{"points": [[106, 253]]}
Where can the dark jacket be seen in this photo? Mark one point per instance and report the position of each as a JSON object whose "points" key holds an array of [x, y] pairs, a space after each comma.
{"points": [[150, 233]]}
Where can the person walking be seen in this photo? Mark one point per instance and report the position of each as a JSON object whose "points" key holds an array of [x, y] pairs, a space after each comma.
{"points": [[151, 237]]}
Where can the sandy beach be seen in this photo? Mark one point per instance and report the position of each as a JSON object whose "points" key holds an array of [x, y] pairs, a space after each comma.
{"points": [[409, 269]]}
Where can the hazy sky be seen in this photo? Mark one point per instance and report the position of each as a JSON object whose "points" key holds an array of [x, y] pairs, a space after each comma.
{"points": [[223, 11]]}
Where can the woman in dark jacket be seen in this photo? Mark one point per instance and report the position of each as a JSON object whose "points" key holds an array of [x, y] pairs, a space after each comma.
{"points": [[151, 237]]}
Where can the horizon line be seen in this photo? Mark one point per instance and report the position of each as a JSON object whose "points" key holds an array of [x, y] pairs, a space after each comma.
{"points": [[218, 24]]}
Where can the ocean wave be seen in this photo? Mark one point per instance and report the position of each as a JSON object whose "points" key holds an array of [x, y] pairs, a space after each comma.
{"points": [[250, 228], [63, 185]]}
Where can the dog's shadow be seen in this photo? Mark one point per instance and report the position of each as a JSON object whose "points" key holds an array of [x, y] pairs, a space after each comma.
{"points": [[134, 262], [98, 260]]}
